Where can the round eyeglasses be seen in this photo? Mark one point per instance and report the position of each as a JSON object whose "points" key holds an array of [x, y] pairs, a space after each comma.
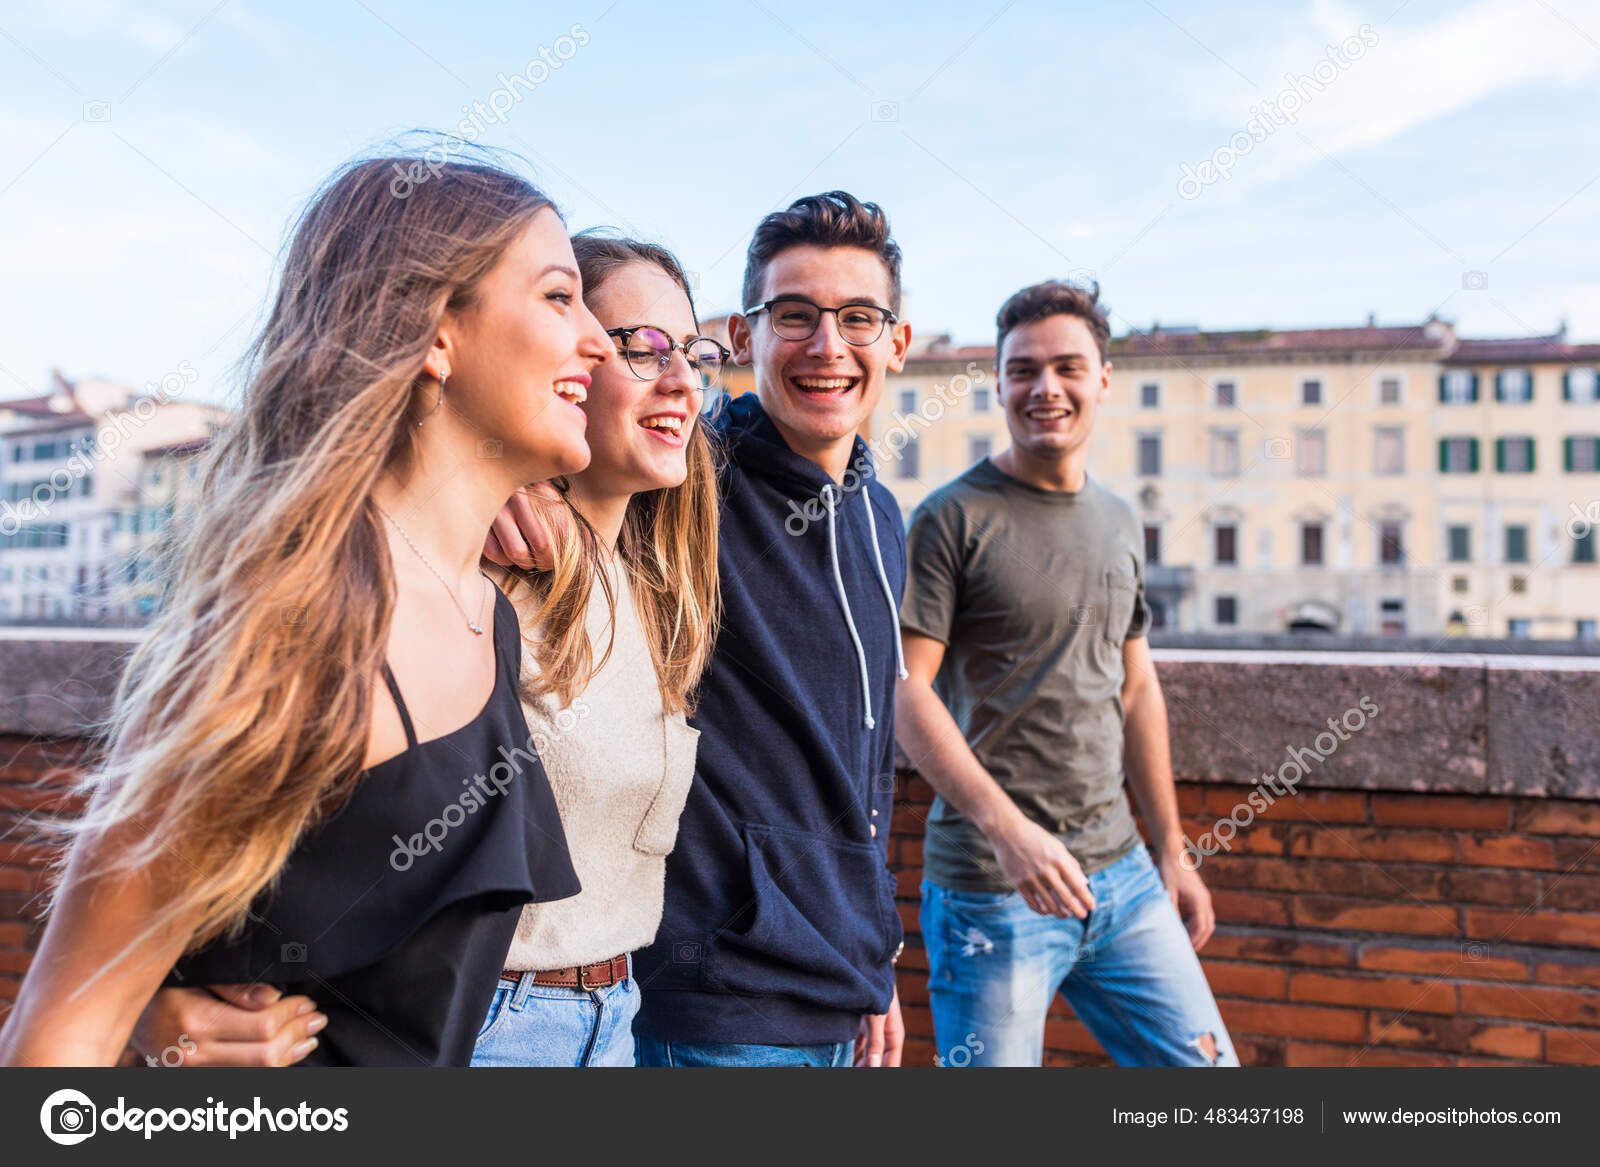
{"points": [[648, 351], [794, 318]]}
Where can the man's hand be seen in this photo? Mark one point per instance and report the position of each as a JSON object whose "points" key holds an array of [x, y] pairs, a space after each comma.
{"points": [[1039, 866], [1191, 897], [882, 1038], [527, 529], [227, 1025]]}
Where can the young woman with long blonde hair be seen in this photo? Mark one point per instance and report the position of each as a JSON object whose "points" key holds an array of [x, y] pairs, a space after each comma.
{"points": [[319, 771]]}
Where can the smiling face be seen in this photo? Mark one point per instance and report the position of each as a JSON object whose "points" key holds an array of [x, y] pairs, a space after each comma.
{"points": [[821, 390], [519, 357], [1052, 381], [638, 429]]}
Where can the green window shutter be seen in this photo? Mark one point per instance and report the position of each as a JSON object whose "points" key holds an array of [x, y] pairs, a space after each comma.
{"points": [[1444, 448], [1443, 396], [1499, 455], [1472, 459], [1473, 397], [1533, 455], [1566, 388], [1499, 385], [1567, 453]]}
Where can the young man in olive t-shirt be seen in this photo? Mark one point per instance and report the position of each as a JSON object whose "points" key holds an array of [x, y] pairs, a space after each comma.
{"points": [[1031, 699]]}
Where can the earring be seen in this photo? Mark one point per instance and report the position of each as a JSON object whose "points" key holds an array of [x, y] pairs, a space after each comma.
{"points": [[442, 378]]}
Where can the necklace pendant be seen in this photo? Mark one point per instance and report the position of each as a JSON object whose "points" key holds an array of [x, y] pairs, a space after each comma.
{"points": [[477, 629]]}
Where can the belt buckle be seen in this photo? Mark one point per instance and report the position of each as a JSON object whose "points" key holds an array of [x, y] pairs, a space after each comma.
{"points": [[583, 979]]}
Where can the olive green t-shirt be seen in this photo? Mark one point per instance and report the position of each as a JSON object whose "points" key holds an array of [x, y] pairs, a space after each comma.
{"points": [[1033, 592]]}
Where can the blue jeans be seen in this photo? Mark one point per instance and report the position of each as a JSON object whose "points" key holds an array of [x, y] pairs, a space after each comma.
{"points": [[677, 1053], [543, 1025], [1128, 971]]}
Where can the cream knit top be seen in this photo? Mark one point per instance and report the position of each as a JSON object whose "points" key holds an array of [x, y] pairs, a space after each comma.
{"points": [[621, 771]]}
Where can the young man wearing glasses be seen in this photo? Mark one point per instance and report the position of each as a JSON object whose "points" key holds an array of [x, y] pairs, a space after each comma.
{"points": [[780, 928], [1025, 605]]}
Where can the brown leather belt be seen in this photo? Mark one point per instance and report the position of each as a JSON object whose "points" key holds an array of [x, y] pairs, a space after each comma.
{"points": [[600, 975]]}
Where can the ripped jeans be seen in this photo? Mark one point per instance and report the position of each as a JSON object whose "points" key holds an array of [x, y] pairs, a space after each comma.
{"points": [[1128, 971]]}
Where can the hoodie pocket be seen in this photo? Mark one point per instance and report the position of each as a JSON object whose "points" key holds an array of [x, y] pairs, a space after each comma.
{"points": [[816, 927], [659, 830]]}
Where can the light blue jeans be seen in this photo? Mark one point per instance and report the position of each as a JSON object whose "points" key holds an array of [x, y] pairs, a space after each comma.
{"points": [[677, 1053], [1128, 971], [542, 1025]]}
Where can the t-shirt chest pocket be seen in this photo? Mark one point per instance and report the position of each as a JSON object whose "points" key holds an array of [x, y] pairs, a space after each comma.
{"points": [[1120, 587]]}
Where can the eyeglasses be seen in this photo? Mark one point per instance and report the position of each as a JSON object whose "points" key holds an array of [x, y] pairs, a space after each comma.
{"points": [[648, 351], [794, 318]]}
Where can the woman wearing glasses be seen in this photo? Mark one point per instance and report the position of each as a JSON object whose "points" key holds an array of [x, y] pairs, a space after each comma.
{"points": [[617, 746]]}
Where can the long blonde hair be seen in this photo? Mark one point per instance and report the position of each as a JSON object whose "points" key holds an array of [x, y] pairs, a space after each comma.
{"points": [[668, 547], [244, 716]]}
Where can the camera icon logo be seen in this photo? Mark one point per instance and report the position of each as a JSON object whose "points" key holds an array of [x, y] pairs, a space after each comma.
{"points": [[68, 1117], [97, 111], [686, 952], [1277, 449], [886, 111], [293, 616], [292, 953], [1474, 281], [1083, 614], [489, 448]]}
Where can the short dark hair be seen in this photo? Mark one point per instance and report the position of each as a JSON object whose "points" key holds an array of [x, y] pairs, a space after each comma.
{"points": [[1054, 298], [834, 219], [600, 251]]}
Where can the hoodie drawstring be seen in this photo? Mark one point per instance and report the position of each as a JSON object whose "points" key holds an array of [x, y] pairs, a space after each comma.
{"points": [[828, 492]]}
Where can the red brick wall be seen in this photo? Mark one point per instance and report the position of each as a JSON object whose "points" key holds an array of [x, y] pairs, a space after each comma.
{"points": [[1354, 928], [1367, 929]]}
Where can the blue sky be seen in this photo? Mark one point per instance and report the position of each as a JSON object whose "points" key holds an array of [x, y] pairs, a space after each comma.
{"points": [[157, 150]]}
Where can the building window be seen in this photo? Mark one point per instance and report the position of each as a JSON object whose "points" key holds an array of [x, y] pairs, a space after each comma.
{"points": [[1513, 386], [1519, 629], [1227, 610], [1149, 395], [1459, 538], [908, 401], [1311, 392], [1389, 450], [910, 459], [1311, 453], [1580, 385], [1391, 544], [1585, 630], [1224, 453], [1392, 617], [1516, 543], [1458, 455], [1224, 394], [1311, 544], [1458, 387], [980, 399], [1583, 545], [1152, 544], [1513, 455], [1225, 542], [1389, 391], [1149, 455], [979, 447], [1581, 453]]}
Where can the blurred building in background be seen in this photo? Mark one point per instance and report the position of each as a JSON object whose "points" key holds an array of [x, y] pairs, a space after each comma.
{"points": [[1369, 480], [83, 493]]}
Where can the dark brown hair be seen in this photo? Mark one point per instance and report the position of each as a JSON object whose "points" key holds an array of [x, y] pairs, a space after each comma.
{"points": [[834, 219], [1054, 298]]}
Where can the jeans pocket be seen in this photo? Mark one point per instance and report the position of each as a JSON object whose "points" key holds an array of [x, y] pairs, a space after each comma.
{"points": [[498, 1008]]}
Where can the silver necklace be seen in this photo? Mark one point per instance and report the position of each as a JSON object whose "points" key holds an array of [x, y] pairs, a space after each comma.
{"points": [[477, 628]]}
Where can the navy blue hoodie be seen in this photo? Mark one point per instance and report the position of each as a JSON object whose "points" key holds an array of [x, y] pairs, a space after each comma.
{"points": [[780, 923]]}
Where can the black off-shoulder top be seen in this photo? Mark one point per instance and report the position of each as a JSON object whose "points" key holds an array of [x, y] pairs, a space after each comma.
{"points": [[395, 914]]}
